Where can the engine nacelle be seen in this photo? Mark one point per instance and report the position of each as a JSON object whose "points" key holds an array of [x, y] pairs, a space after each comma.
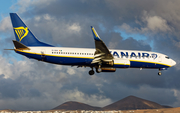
{"points": [[108, 69], [121, 63], [116, 63]]}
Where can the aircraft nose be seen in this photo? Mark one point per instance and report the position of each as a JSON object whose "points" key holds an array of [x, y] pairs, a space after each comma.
{"points": [[173, 62]]}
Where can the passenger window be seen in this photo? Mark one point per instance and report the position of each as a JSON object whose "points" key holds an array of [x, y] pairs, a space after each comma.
{"points": [[167, 57]]}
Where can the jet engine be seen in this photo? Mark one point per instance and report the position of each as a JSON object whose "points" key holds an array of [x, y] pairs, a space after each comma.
{"points": [[121, 63], [116, 63], [108, 69]]}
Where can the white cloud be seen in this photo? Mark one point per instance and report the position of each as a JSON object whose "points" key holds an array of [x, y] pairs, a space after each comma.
{"points": [[5, 24], [175, 92], [47, 17], [74, 27], [37, 18], [154, 23], [24, 5], [148, 25], [128, 28], [94, 100], [70, 71], [58, 67], [112, 45], [177, 95]]}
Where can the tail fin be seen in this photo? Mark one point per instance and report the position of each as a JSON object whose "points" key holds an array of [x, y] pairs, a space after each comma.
{"points": [[23, 34]]}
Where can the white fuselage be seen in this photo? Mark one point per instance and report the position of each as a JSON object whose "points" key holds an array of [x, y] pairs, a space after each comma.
{"points": [[84, 56]]}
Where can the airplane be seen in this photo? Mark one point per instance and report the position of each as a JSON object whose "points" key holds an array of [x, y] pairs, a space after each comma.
{"points": [[99, 58]]}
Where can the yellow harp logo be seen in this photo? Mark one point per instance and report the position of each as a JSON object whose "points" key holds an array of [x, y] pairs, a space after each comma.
{"points": [[21, 32]]}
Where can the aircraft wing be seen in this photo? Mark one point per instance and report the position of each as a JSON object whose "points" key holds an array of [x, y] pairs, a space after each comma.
{"points": [[102, 53]]}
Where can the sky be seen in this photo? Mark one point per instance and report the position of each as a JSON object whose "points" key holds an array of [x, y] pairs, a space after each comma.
{"points": [[148, 25]]}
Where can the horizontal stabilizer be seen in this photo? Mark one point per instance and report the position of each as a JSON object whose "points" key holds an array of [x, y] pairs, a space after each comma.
{"points": [[19, 45], [8, 49]]}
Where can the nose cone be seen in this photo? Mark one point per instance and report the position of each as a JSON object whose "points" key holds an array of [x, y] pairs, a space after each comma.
{"points": [[173, 63]]}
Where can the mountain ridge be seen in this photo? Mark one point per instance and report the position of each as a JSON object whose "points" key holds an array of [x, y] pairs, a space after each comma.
{"points": [[72, 105], [127, 103], [132, 103]]}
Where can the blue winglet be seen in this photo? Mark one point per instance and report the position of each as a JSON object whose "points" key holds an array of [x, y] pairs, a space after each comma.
{"points": [[95, 34]]}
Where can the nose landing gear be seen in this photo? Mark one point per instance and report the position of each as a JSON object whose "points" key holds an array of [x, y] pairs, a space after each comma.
{"points": [[159, 73]]}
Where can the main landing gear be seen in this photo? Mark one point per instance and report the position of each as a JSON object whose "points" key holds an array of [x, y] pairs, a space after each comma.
{"points": [[98, 70], [91, 72]]}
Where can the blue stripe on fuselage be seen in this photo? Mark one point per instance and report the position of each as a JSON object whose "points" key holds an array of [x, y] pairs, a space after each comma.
{"points": [[138, 64]]}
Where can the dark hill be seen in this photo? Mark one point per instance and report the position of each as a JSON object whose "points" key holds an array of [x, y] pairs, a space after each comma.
{"points": [[132, 103], [75, 106], [128, 103]]}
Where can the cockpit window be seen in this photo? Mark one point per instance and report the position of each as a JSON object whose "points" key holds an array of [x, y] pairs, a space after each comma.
{"points": [[167, 57]]}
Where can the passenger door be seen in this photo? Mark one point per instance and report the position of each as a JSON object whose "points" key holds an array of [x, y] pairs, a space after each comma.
{"points": [[43, 54]]}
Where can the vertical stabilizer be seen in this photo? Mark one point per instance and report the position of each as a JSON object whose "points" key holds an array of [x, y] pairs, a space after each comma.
{"points": [[23, 34]]}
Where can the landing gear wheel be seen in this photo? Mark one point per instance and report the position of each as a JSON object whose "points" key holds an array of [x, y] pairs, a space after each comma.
{"points": [[159, 73], [91, 72], [98, 70]]}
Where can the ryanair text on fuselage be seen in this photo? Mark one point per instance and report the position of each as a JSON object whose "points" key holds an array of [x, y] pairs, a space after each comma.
{"points": [[132, 54]]}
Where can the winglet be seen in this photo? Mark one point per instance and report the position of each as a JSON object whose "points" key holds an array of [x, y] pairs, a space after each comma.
{"points": [[101, 49], [95, 34]]}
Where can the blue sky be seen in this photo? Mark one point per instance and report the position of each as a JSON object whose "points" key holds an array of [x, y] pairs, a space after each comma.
{"points": [[6, 7]]}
